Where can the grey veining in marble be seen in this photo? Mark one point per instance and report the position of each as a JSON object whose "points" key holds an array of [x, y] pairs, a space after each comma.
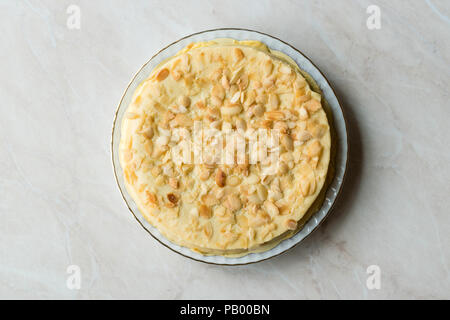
{"points": [[59, 203]]}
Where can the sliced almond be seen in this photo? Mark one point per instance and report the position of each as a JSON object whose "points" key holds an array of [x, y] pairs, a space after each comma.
{"points": [[235, 97], [285, 69], [218, 92], [273, 102], [233, 181], [314, 149], [312, 105], [184, 101], [231, 110], [286, 142], [225, 83], [303, 114], [233, 203], [173, 182], [220, 178], [208, 230], [267, 68], [162, 74], [271, 208], [291, 224], [238, 54], [274, 115], [204, 211]]}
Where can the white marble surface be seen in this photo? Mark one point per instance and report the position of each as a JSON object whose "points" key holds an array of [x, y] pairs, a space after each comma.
{"points": [[59, 203]]}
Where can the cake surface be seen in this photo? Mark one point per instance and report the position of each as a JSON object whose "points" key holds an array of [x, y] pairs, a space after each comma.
{"points": [[225, 147]]}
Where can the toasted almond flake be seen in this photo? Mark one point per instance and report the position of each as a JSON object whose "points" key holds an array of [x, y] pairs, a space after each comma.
{"points": [[303, 114], [162, 140], [200, 104], [304, 187], [173, 182], [225, 83], [176, 74], [286, 142], [267, 67], [258, 110], [156, 171], [274, 115], [312, 105], [282, 168], [252, 179], [273, 101], [162, 74], [285, 69], [127, 155], [219, 193], [233, 181], [148, 132], [172, 198], [182, 120], [314, 149], [218, 92], [261, 191], [216, 102], [184, 101], [231, 111], [291, 224], [204, 211], [268, 83], [233, 203], [271, 208], [208, 230], [299, 83], [220, 178], [238, 54], [235, 97], [305, 136]]}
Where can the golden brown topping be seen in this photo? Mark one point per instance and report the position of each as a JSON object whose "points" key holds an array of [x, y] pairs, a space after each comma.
{"points": [[303, 114], [151, 198], [208, 230], [162, 74], [271, 208], [238, 54], [204, 211], [314, 149], [220, 178], [267, 68], [172, 198], [312, 105], [148, 132], [273, 101], [233, 203], [173, 182], [305, 136], [184, 101], [218, 92], [231, 110], [274, 115], [233, 181], [225, 83], [286, 142]]}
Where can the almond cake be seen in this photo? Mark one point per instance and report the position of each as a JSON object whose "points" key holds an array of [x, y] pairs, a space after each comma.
{"points": [[210, 206]]}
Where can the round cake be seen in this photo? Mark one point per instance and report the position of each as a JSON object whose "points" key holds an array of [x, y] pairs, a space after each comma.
{"points": [[225, 147]]}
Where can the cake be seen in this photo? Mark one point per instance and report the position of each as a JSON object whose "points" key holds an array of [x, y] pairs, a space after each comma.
{"points": [[225, 147]]}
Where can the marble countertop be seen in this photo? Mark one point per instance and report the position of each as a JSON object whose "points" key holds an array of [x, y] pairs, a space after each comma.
{"points": [[60, 207]]}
